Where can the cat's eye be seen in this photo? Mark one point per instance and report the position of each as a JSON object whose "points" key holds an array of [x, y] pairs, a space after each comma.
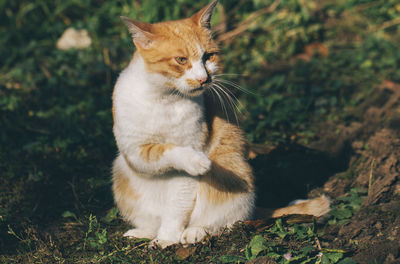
{"points": [[181, 60]]}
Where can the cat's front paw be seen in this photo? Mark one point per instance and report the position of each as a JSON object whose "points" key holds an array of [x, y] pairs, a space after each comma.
{"points": [[187, 159], [193, 235], [160, 243], [198, 164], [140, 233]]}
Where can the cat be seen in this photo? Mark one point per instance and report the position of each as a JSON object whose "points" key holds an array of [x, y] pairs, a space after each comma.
{"points": [[181, 172]]}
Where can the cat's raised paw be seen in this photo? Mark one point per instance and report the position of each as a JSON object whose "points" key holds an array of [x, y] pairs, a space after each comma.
{"points": [[198, 164], [140, 233], [193, 235]]}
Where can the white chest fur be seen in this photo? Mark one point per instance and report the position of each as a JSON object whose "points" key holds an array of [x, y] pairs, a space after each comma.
{"points": [[144, 113], [178, 122]]}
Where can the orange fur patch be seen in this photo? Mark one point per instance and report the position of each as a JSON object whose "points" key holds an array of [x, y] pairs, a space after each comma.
{"points": [[170, 85], [230, 173], [122, 186], [153, 152], [316, 207], [123, 193], [192, 82]]}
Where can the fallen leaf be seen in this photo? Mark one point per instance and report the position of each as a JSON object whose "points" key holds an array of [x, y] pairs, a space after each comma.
{"points": [[184, 253]]}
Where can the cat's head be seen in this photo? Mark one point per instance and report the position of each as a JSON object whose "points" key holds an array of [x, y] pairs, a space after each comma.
{"points": [[182, 52]]}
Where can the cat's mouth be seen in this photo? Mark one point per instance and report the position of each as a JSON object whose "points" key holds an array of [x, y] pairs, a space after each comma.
{"points": [[199, 89], [204, 85]]}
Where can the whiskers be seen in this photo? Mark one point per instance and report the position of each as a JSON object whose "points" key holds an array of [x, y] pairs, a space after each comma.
{"points": [[217, 78], [221, 91], [227, 99]]}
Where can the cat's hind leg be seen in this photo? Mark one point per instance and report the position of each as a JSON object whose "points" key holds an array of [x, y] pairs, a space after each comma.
{"points": [[131, 203], [178, 206], [212, 219], [146, 226]]}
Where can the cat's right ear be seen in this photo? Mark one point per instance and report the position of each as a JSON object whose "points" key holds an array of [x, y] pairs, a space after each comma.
{"points": [[203, 17], [140, 32]]}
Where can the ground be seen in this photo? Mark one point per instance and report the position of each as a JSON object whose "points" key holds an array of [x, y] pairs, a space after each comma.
{"points": [[357, 167]]}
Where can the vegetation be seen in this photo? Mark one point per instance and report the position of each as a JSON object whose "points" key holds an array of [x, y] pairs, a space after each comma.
{"points": [[307, 66]]}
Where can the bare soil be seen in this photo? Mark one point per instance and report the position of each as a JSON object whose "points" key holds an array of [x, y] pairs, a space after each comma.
{"points": [[364, 153]]}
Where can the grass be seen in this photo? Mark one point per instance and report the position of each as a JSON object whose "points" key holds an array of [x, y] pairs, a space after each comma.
{"points": [[100, 241]]}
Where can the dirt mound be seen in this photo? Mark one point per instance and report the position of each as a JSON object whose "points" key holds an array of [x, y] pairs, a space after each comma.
{"points": [[373, 233], [371, 148], [382, 153]]}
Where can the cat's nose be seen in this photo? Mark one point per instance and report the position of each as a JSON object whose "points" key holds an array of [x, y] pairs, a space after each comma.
{"points": [[202, 80]]}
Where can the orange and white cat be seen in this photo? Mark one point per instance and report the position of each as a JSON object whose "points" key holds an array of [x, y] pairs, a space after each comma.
{"points": [[181, 171]]}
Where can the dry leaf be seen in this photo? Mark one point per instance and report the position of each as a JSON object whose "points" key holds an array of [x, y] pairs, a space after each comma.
{"points": [[184, 253]]}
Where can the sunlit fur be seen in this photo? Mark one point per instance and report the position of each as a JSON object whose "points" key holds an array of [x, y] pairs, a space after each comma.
{"points": [[181, 171]]}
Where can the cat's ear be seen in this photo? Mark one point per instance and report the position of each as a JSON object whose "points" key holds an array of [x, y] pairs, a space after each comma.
{"points": [[203, 17], [140, 32]]}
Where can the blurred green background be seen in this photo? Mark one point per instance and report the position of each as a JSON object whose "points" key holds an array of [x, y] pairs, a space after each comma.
{"points": [[307, 64]]}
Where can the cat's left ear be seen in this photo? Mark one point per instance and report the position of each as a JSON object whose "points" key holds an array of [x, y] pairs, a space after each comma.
{"points": [[203, 17]]}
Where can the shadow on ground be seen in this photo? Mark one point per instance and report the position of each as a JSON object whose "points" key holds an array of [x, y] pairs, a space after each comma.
{"points": [[290, 171]]}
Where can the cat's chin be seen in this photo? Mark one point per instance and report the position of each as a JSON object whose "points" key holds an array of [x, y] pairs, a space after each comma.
{"points": [[196, 91]]}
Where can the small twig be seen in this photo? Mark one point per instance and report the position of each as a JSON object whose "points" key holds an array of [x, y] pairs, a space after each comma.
{"points": [[138, 246], [370, 176], [45, 71], [237, 6], [363, 7], [390, 23], [318, 243], [334, 250], [245, 24], [106, 57], [11, 232], [75, 194]]}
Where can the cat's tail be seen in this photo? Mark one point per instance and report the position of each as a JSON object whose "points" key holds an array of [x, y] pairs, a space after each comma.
{"points": [[316, 207]]}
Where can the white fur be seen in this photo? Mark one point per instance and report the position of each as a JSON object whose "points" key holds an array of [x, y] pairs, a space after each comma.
{"points": [[168, 208], [211, 66]]}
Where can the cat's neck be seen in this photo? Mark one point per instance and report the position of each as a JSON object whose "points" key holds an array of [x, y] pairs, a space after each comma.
{"points": [[152, 86]]}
